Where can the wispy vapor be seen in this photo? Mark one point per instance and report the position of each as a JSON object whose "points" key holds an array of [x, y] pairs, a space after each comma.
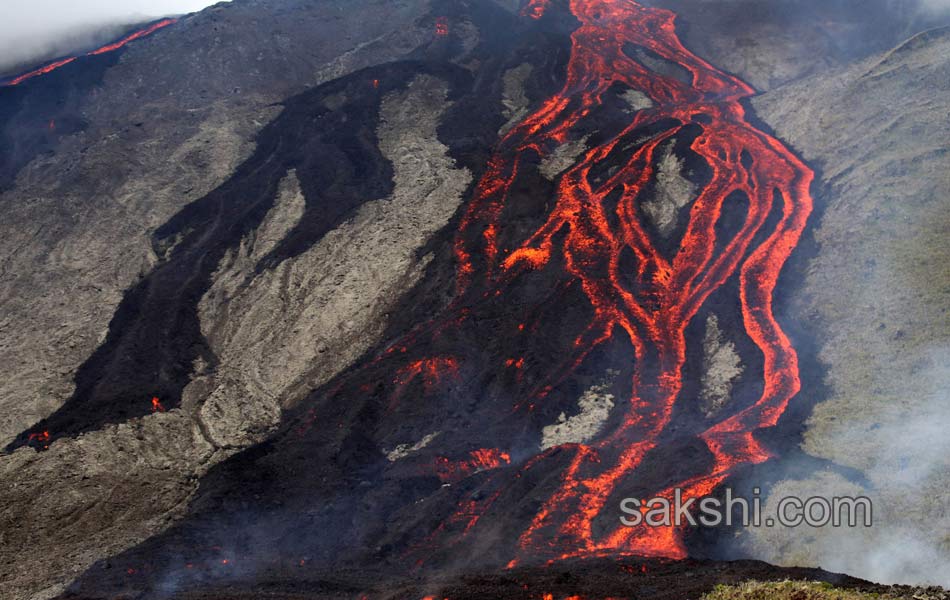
{"points": [[35, 30]]}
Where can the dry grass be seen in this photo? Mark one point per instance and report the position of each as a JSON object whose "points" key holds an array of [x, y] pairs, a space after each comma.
{"points": [[789, 590]]}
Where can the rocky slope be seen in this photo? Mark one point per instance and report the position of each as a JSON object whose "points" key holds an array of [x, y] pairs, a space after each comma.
{"points": [[238, 217], [139, 137], [878, 289]]}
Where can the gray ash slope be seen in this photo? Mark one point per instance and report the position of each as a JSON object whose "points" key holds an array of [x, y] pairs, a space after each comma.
{"points": [[155, 336], [169, 123], [240, 241]]}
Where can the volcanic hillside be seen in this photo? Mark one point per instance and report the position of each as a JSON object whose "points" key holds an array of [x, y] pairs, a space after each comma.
{"points": [[311, 294]]}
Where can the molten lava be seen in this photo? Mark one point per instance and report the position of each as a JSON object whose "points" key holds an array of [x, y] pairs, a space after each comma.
{"points": [[103, 50], [430, 371], [134, 36], [483, 459], [535, 8], [653, 301], [40, 439], [594, 235], [442, 27], [157, 405], [40, 71]]}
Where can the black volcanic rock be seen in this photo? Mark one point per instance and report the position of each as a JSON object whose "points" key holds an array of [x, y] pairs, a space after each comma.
{"points": [[232, 336], [624, 578]]}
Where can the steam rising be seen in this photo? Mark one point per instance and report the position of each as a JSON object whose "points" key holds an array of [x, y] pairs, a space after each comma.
{"points": [[33, 31], [908, 542]]}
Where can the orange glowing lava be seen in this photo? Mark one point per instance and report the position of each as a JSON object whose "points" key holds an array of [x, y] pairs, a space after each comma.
{"points": [[431, 372], [535, 8], [40, 438], [103, 50], [653, 301], [134, 36], [157, 405], [41, 71], [483, 459]]}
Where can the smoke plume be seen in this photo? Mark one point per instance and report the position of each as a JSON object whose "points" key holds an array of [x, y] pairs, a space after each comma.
{"points": [[935, 5], [33, 31]]}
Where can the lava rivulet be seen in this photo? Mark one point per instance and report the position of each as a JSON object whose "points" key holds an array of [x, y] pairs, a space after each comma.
{"points": [[478, 460], [653, 302], [157, 405], [103, 50]]}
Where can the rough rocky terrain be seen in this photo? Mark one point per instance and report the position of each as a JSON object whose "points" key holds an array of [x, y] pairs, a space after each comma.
{"points": [[240, 215], [879, 290], [157, 133], [154, 134], [622, 579]]}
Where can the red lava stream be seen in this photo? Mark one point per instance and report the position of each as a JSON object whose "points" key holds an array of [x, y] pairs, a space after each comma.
{"points": [[103, 50], [655, 312]]}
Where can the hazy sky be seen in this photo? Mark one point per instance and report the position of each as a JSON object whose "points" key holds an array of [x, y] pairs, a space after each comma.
{"points": [[32, 29]]}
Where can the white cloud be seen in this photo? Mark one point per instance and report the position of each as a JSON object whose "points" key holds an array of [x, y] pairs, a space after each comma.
{"points": [[35, 30]]}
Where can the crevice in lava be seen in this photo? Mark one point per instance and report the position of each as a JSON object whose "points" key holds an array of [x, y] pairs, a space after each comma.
{"points": [[694, 170], [735, 216], [628, 144]]}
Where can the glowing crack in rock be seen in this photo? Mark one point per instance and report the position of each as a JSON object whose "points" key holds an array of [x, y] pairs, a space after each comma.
{"points": [[103, 50]]}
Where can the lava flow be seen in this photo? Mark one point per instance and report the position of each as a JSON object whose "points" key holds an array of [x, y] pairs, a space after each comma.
{"points": [[40, 439], [652, 302], [103, 50], [479, 460]]}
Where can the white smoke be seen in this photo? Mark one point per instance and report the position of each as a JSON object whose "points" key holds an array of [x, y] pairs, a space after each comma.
{"points": [[909, 459], [935, 5], [36, 30]]}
